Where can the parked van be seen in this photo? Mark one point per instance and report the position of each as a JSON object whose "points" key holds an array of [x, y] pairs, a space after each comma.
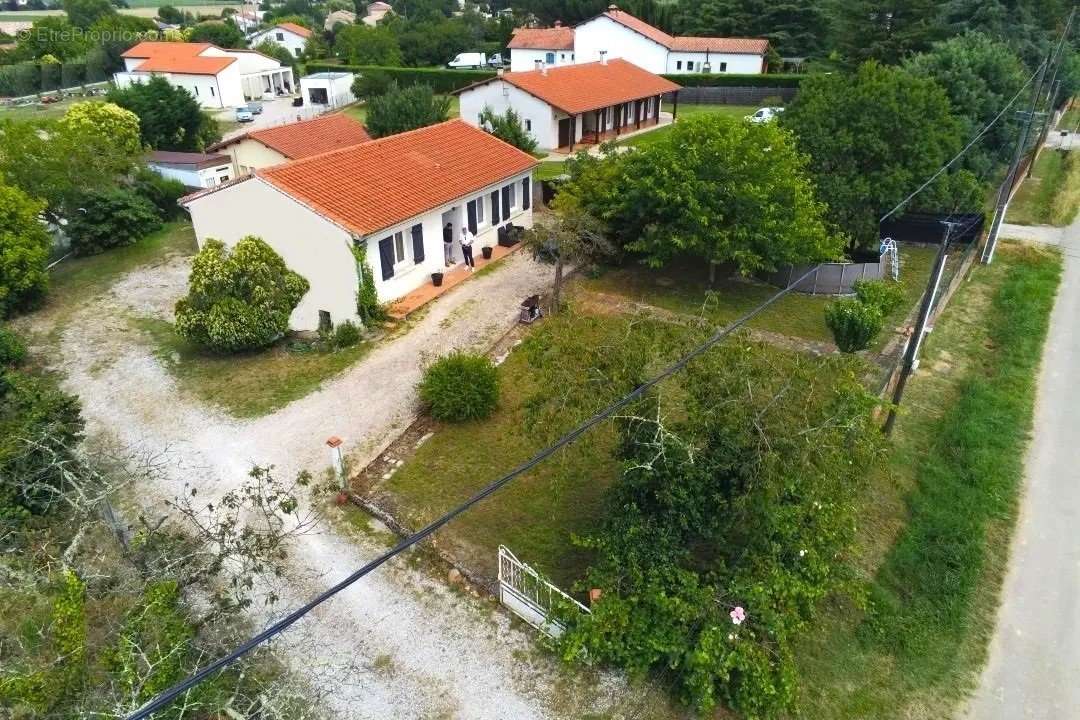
{"points": [[469, 60]]}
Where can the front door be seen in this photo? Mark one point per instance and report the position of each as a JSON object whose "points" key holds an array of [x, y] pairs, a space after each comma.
{"points": [[566, 126]]}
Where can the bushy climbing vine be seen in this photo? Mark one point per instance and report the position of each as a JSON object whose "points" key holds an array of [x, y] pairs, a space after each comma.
{"points": [[729, 525], [367, 298]]}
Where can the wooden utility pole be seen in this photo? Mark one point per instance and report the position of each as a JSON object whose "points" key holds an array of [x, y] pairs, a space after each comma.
{"points": [[911, 353]]}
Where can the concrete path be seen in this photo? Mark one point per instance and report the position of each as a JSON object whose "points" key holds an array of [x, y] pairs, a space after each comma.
{"points": [[1034, 667]]}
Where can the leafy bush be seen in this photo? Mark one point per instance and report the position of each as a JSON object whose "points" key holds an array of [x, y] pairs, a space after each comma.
{"points": [[854, 324], [12, 350], [367, 297], [239, 298], [163, 192], [110, 218], [24, 250], [460, 387], [885, 295], [401, 109], [371, 84], [508, 128], [346, 334], [439, 80]]}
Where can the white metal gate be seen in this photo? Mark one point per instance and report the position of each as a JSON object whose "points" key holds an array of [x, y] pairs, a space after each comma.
{"points": [[528, 595]]}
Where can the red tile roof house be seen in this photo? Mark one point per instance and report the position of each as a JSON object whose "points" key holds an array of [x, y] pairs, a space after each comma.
{"points": [[565, 107], [273, 146], [621, 35], [216, 77], [388, 199], [288, 35]]}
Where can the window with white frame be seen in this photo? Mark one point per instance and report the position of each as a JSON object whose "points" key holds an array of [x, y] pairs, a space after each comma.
{"points": [[723, 67], [399, 249], [528, 125], [549, 58], [513, 196], [480, 210], [690, 65], [678, 64], [280, 36]]}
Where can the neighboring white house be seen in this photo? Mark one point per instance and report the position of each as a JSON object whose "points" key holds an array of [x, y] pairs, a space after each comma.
{"points": [[288, 35], [563, 107], [552, 46], [329, 89], [387, 200], [619, 34], [196, 170], [218, 78], [273, 146], [376, 11]]}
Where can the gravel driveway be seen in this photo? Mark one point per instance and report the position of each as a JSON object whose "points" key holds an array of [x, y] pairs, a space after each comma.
{"points": [[399, 644]]}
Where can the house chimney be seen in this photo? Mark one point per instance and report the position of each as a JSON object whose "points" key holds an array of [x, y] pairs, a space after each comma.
{"points": [[612, 7], [543, 68], [603, 57], [499, 72], [558, 23], [538, 64]]}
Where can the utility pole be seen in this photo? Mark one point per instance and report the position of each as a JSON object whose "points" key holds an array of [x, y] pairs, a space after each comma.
{"points": [[911, 354], [1010, 177]]}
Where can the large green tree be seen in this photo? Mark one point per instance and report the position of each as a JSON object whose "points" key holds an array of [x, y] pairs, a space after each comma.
{"points": [[408, 108], [873, 136], [24, 251], [793, 27], [223, 33], [980, 75], [84, 13], [729, 526], [716, 188], [363, 45], [108, 218], [170, 117], [239, 298], [887, 31]]}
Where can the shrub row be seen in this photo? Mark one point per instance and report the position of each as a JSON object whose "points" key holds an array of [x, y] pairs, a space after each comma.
{"points": [[441, 81], [734, 80], [29, 78]]}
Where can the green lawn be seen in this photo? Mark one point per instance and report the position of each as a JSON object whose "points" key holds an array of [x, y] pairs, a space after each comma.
{"points": [[689, 111], [359, 110], [1051, 196], [549, 170], [935, 527], [38, 111], [1070, 119], [247, 384], [684, 288]]}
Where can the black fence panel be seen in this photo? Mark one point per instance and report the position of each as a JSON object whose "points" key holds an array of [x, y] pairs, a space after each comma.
{"points": [[930, 227]]}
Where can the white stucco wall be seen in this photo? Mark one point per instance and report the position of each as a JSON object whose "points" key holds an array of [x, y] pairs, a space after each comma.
{"points": [[206, 89], [501, 95], [410, 275], [309, 244], [194, 177], [739, 64], [603, 33], [288, 40], [525, 60], [248, 155], [338, 90]]}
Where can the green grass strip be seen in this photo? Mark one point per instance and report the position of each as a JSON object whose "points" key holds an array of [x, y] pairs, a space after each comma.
{"points": [[923, 600]]}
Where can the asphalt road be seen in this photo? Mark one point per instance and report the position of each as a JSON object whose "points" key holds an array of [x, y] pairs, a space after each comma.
{"points": [[1033, 671]]}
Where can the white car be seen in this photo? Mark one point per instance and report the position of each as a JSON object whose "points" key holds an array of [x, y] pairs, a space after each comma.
{"points": [[244, 115], [765, 114]]}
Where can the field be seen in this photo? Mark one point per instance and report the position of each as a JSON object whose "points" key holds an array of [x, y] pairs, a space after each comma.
{"points": [[689, 111], [38, 111], [139, 8]]}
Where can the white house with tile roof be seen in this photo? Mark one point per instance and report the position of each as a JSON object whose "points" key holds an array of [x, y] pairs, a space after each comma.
{"points": [[389, 200], [288, 35], [615, 33]]}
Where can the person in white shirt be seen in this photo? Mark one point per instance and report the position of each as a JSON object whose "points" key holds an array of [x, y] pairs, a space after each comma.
{"points": [[466, 248]]}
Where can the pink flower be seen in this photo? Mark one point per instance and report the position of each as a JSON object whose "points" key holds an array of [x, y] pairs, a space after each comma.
{"points": [[738, 615]]}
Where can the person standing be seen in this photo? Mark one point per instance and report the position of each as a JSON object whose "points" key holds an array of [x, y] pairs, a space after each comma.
{"points": [[466, 248], [448, 244]]}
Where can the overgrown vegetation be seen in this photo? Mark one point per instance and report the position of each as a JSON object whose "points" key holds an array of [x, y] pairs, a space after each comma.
{"points": [[110, 218], [239, 298], [854, 324], [460, 387], [401, 109], [24, 251], [1051, 196], [508, 128]]}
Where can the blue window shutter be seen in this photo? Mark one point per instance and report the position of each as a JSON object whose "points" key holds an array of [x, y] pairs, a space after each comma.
{"points": [[526, 195], [495, 207], [418, 243], [506, 202], [386, 257]]}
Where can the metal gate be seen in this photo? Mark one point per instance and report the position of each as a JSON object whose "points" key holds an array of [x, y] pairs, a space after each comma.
{"points": [[528, 595]]}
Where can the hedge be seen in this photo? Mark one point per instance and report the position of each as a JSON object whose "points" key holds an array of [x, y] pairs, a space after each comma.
{"points": [[29, 78], [440, 80], [733, 80]]}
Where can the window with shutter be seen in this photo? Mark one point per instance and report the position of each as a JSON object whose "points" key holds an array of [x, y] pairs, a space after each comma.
{"points": [[506, 202], [495, 207], [470, 210], [386, 257], [418, 243], [526, 194]]}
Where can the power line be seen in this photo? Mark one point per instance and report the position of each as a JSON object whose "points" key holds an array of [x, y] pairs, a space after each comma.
{"points": [[167, 696], [986, 128]]}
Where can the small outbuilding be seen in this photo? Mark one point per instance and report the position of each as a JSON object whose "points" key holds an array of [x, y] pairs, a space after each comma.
{"points": [[331, 90], [195, 170]]}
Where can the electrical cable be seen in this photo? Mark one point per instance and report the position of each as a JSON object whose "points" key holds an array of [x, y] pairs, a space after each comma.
{"points": [[166, 697], [986, 128]]}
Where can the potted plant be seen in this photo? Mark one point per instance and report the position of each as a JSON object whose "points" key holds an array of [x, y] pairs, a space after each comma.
{"points": [[436, 279], [487, 252]]}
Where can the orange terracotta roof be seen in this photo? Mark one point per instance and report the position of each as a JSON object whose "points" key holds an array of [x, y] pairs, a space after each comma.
{"points": [[736, 46], [579, 88], [373, 186], [556, 38], [185, 58], [308, 137], [295, 29]]}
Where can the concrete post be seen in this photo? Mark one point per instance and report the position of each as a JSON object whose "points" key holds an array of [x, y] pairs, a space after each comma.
{"points": [[334, 443]]}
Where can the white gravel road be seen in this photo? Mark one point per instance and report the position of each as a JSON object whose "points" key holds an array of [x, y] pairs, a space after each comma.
{"points": [[399, 644]]}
